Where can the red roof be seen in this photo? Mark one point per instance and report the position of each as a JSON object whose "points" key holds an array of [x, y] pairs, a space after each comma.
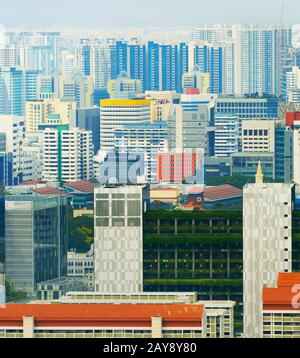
{"points": [[288, 279], [284, 297], [49, 191], [113, 315], [222, 192], [84, 186], [32, 182]]}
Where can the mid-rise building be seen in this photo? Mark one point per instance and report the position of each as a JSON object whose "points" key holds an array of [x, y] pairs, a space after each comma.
{"points": [[89, 119], [6, 169], [14, 129], [116, 112], [226, 138], [245, 164], [175, 167], [68, 154], [258, 135]]}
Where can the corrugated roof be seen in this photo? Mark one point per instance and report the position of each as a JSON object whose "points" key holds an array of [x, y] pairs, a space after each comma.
{"points": [[49, 191], [84, 186], [222, 192]]}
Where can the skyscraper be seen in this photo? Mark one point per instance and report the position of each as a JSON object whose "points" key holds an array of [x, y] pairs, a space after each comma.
{"points": [[35, 240], [267, 244], [118, 246]]}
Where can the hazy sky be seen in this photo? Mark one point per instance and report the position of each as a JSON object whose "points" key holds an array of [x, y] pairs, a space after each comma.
{"points": [[144, 13]]}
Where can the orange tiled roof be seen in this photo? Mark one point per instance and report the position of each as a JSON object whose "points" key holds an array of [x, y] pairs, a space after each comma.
{"points": [[222, 192], [102, 314]]}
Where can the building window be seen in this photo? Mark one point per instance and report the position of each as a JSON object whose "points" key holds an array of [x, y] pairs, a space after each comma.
{"points": [[102, 208], [134, 208]]}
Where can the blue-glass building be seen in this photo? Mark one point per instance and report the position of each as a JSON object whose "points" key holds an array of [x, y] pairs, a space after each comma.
{"points": [[6, 169]]}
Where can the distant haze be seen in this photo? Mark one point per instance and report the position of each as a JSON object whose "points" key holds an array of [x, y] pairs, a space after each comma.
{"points": [[144, 13]]}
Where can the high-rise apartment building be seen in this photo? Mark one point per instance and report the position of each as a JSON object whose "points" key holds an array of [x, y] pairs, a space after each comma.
{"points": [[68, 154]]}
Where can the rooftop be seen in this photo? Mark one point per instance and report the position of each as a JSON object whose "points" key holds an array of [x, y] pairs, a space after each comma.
{"points": [[285, 295], [49, 191], [87, 315], [222, 192], [83, 186]]}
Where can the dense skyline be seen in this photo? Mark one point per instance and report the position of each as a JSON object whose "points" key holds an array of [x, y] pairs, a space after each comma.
{"points": [[33, 13]]}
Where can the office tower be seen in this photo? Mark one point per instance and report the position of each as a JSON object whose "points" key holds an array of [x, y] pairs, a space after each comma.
{"points": [[226, 139], [248, 108], [78, 89], [245, 164], [89, 119], [12, 91], [143, 139], [35, 114], [190, 123], [2, 142], [35, 240], [114, 113], [284, 142], [67, 66], [267, 244], [83, 57], [258, 135], [68, 154], [6, 169], [292, 84], [14, 128], [118, 246], [124, 88]]}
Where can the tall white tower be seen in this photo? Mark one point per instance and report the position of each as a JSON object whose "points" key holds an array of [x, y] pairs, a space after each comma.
{"points": [[267, 244]]}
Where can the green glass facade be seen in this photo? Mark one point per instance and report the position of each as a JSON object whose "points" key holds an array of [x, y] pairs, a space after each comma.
{"points": [[201, 252]]}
